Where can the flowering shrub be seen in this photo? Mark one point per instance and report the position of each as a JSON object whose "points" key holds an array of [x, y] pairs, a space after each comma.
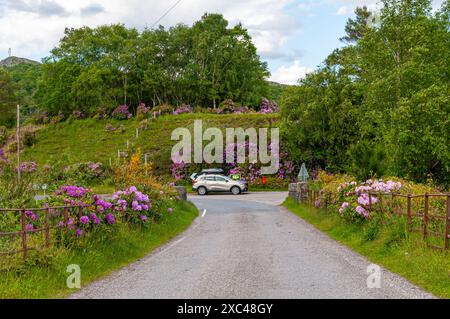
{"points": [[95, 211], [84, 173], [3, 157], [178, 170], [229, 107], [141, 110], [184, 108], [77, 115], [136, 173], [135, 206], [248, 171], [102, 113], [28, 167], [162, 109], [268, 107], [122, 113], [350, 198]]}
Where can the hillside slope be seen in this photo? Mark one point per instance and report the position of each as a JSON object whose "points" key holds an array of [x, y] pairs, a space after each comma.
{"points": [[88, 140], [14, 60]]}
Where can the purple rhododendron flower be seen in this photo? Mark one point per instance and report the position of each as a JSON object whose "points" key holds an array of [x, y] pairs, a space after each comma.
{"points": [[29, 227], [132, 189], [143, 218], [360, 210], [170, 210], [79, 232], [110, 219], [84, 220], [70, 223], [31, 215]]}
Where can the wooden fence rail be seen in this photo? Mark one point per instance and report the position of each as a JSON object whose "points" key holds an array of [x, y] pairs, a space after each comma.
{"points": [[428, 214], [49, 220]]}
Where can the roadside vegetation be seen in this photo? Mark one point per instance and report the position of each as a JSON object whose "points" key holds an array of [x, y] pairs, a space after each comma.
{"points": [[55, 146], [44, 274], [98, 234], [380, 104], [371, 218], [392, 247]]}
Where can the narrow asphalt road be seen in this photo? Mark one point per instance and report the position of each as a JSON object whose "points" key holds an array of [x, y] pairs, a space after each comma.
{"points": [[249, 247]]}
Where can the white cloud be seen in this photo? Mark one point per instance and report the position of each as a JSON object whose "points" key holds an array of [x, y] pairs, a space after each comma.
{"points": [[34, 27], [290, 74], [342, 11]]}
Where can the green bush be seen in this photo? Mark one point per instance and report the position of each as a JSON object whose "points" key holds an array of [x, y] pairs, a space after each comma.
{"points": [[3, 135]]}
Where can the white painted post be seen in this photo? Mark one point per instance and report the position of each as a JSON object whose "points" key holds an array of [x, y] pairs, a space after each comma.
{"points": [[137, 132], [18, 142]]}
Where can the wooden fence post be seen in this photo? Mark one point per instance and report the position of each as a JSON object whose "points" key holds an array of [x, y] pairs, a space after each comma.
{"points": [[447, 224], [408, 214], [392, 203], [380, 200], [24, 233], [66, 215], [425, 218]]}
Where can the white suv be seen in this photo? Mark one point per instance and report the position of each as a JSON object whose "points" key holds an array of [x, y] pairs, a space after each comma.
{"points": [[218, 183]]}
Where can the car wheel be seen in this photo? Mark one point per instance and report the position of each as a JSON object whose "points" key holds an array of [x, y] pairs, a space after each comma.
{"points": [[235, 190], [201, 191]]}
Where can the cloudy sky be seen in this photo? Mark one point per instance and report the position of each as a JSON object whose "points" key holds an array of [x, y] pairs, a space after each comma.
{"points": [[293, 36]]}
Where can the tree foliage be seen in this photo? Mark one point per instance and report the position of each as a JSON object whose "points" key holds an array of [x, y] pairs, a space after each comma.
{"points": [[379, 105], [110, 65], [7, 99]]}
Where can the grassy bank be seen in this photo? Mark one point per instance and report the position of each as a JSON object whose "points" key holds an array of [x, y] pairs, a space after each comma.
{"points": [[88, 140], [45, 277], [391, 247]]}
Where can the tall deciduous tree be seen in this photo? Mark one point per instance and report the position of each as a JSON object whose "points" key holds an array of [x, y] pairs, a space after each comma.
{"points": [[109, 65], [390, 85]]}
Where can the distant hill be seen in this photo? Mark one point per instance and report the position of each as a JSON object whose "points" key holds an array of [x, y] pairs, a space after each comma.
{"points": [[276, 89], [14, 60]]}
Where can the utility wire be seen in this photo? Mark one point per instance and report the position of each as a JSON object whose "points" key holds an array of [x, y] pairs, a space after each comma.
{"points": [[166, 13]]}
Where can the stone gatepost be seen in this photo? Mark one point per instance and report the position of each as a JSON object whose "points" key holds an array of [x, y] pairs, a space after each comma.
{"points": [[182, 192], [299, 192]]}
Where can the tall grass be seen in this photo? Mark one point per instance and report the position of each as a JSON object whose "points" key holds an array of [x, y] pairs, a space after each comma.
{"points": [[388, 245], [44, 274]]}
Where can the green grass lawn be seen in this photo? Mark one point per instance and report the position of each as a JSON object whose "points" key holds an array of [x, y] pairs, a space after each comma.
{"points": [[87, 140], [45, 277], [391, 247]]}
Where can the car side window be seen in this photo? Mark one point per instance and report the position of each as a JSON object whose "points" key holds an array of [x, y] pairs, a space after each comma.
{"points": [[220, 179], [209, 178]]}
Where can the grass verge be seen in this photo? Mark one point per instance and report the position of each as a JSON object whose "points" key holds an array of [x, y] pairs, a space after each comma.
{"points": [[391, 247], [45, 276]]}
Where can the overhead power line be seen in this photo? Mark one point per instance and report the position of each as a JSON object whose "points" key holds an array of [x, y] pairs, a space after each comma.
{"points": [[165, 13]]}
